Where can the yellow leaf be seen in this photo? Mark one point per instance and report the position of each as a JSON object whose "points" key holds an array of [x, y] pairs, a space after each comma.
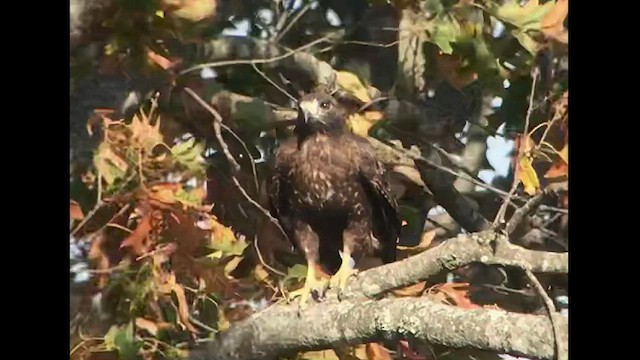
{"points": [[160, 14], [361, 123], [322, 354], [527, 175], [143, 134], [232, 264], [350, 82]]}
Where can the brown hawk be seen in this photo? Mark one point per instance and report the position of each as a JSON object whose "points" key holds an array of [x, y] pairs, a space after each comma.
{"points": [[330, 194]]}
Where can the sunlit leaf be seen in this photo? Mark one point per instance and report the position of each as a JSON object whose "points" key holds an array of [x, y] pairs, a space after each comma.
{"points": [[527, 175]]}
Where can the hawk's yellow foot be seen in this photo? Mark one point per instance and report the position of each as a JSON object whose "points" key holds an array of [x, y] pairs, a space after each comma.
{"points": [[311, 284], [339, 279]]}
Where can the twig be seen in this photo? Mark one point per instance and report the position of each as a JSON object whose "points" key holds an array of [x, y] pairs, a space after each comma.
{"points": [[503, 208], [525, 210], [264, 263], [255, 67], [257, 61], [99, 205], [233, 178], [551, 308], [294, 20], [216, 127]]}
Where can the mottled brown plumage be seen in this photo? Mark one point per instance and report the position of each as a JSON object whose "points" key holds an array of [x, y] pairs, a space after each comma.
{"points": [[331, 194]]}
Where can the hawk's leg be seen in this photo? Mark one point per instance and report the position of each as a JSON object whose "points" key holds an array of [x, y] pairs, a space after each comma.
{"points": [[308, 242], [339, 279]]}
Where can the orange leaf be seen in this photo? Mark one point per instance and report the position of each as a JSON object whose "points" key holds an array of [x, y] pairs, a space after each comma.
{"points": [[561, 167], [159, 60], [183, 308], [425, 241], [552, 23], [75, 211], [136, 239], [376, 351]]}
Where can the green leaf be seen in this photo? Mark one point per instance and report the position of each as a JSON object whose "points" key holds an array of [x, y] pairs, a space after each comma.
{"points": [[228, 245], [296, 272], [445, 31], [525, 17], [189, 154], [123, 340]]}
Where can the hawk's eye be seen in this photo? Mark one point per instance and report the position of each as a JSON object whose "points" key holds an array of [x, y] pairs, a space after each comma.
{"points": [[325, 105]]}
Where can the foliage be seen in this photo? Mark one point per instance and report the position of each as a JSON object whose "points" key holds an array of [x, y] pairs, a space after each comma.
{"points": [[173, 250]]}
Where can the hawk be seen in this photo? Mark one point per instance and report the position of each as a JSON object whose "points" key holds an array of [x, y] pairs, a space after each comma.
{"points": [[331, 194]]}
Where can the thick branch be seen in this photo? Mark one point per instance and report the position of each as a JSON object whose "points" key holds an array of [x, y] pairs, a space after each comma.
{"points": [[452, 254], [280, 330]]}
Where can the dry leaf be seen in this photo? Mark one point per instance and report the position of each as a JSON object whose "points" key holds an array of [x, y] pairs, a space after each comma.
{"points": [[449, 68], [147, 325], [407, 353], [458, 293], [135, 240], [414, 290], [183, 307], [424, 244], [560, 168], [376, 351], [552, 23], [160, 60], [75, 211]]}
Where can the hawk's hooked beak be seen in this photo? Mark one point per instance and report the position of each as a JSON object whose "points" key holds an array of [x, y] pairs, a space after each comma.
{"points": [[308, 112]]}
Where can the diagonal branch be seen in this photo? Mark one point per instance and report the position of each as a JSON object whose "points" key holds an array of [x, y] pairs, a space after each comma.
{"points": [[486, 247]]}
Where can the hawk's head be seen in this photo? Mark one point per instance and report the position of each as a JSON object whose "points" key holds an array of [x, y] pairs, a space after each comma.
{"points": [[319, 112]]}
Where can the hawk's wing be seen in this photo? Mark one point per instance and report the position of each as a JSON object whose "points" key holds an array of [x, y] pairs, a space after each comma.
{"points": [[374, 178], [280, 205]]}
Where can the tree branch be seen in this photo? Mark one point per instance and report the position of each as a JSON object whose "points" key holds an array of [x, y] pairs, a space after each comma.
{"points": [[450, 255], [359, 320], [279, 330]]}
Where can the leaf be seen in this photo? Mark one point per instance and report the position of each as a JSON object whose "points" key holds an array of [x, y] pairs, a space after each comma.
{"points": [[144, 135], [328, 354], [560, 168], [527, 175], [135, 240], [351, 83], [552, 24], [458, 293], [414, 290], [224, 240], [360, 124], [445, 31], [110, 165], [75, 212], [425, 242], [159, 60], [168, 285], [189, 154], [296, 272], [190, 10], [183, 308], [376, 351], [232, 264], [122, 339], [147, 325], [527, 17]]}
